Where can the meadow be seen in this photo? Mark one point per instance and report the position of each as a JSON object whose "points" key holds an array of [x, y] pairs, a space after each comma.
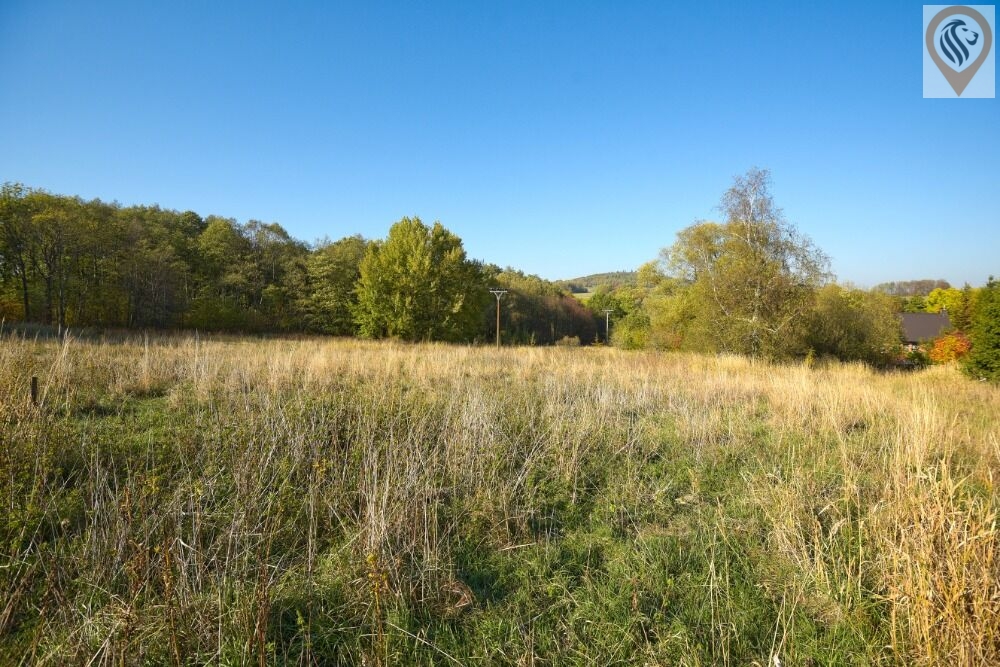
{"points": [[180, 500]]}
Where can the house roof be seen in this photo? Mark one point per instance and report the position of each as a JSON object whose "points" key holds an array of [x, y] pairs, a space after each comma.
{"points": [[919, 327]]}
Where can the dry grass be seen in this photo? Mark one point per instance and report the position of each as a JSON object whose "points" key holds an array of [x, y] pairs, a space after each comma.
{"points": [[342, 502]]}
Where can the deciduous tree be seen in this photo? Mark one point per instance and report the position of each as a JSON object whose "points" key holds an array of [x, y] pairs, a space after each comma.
{"points": [[753, 276], [17, 240], [943, 298], [854, 325], [333, 270], [417, 284]]}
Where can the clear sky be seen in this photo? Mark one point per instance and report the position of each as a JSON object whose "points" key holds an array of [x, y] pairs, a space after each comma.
{"points": [[559, 138]]}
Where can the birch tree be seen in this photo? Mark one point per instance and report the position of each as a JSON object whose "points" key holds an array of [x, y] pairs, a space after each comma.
{"points": [[752, 277]]}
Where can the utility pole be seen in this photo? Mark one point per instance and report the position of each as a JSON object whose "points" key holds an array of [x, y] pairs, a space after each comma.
{"points": [[607, 326], [498, 293]]}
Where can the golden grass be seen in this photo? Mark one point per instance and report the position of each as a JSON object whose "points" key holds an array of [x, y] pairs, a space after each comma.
{"points": [[868, 486]]}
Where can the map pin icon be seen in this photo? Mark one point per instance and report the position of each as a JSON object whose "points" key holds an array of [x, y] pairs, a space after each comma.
{"points": [[953, 38]]}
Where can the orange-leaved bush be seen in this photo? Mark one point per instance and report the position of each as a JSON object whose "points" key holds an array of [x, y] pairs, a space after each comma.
{"points": [[950, 347]]}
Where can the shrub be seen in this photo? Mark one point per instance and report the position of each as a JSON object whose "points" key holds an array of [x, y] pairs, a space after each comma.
{"points": [[949, 347], [854, 325], [916, 358]]}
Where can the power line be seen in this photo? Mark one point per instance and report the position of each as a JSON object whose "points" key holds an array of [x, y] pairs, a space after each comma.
{"points": [[498, 293]]}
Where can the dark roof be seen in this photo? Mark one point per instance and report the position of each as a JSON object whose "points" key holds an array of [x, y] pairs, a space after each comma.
{"points": [[918, 327]]}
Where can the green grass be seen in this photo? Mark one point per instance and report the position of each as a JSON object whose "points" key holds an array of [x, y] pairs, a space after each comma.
{"points": [[314, 502]]}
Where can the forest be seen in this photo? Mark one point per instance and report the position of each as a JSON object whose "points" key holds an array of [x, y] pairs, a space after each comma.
{"points": [[67, 262]]}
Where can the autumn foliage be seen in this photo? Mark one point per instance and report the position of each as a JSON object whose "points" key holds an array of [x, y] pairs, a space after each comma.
{"points": [[950, 347]]}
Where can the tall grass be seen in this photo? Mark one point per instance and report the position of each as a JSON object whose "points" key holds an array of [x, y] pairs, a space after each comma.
{"points": [[189, 501]]}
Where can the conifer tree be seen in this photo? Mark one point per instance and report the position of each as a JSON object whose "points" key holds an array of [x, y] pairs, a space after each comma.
{"points": [[983, 362]]}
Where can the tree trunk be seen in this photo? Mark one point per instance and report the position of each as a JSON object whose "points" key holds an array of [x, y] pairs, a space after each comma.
{"points": [[62, 302], [24, 291], [48, 299]]}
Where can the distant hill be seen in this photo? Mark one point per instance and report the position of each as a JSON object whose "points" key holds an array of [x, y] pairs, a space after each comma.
{"points": [[593, 281]]}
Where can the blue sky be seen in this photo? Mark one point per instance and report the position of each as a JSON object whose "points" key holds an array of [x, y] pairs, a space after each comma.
{"points": [[559, 138]]}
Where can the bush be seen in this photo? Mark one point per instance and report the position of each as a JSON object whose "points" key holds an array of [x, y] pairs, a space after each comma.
{"points": [[854, 325], [916, 358], [632, 332], [949, 347]]}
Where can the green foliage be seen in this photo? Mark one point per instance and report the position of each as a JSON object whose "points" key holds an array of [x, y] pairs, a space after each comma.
{"points": [[933, 296], [629, 322], [963, 310], [751, 285], [72, 263], [616, 300], [983, 361], [941, 298], [752, 277], [16, 244], [610, 280], [653, 312], [333, 270], [418, 285], [916, 358], [673, 319], [247, 277], [650, 276], [535, 311], [157, 278], [69, 262], [216, 313], [632, 331], [914, 304], [852, 324]]}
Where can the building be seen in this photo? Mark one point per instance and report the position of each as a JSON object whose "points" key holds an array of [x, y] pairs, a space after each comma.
{"points": [[923, 327]]}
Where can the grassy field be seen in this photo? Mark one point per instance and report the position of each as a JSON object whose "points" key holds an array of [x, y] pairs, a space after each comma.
{"points": [[176, 501]]}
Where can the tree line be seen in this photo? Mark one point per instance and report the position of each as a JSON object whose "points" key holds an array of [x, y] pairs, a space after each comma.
{"points": [[750, 284], [67, 262]]}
